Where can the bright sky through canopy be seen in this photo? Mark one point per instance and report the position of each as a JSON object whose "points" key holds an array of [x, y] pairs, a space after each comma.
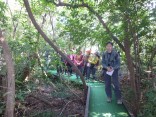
{"points": [[13, 4]]}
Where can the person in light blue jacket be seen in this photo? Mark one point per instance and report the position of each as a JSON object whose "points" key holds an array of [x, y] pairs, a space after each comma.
{"points": [[111, 62]]}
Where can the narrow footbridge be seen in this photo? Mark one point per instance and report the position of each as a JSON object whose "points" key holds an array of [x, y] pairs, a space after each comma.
{"points": [[97, 105]]}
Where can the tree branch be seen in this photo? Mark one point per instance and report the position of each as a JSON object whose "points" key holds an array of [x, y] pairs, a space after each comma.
{"points": [[26, 3], [68, 5], [15, 25], [52, 25], [85, 5]]}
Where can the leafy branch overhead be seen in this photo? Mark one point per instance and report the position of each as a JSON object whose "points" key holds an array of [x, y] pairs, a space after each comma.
{"points": [[37, 37], [85, 5]]}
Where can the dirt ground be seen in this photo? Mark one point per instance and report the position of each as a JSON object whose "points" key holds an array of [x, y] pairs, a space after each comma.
{"points": [[50, 102]]}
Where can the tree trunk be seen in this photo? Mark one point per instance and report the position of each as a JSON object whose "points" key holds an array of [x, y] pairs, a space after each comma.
{"points": [[136, 61], [130, 65], [51, 43], [52, 25], [10, 95], [1, 82]]}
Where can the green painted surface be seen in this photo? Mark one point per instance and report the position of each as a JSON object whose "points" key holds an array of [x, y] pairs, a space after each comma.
{"points": [[98, 107]]}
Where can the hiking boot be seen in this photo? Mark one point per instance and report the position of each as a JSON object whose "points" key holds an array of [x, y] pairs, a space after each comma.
{"points": [[109, 100], [119, 101]]}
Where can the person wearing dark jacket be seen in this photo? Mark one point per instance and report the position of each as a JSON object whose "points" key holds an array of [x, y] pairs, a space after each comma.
{"points": [[85, 59], [111, 65], [69, 66]]}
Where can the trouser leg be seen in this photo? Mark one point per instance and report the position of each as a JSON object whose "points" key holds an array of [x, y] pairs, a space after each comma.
{"points": [[71, 71], [84, 70], [88, 72], [108, 85], [116, 84], [80, 68], [93, 72]]}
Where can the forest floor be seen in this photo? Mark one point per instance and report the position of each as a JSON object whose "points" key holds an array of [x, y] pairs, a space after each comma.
{"points": [[52, 100]]}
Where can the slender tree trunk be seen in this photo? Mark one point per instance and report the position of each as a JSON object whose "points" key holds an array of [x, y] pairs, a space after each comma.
{"points": [[137, 65], [1, 86], [132, 77], [130, 64], [14, 23], [40, 64], [9, 112], [136, 62], [52, 25], [51, 43]]}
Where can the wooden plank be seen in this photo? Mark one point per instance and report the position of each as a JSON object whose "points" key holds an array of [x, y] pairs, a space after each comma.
{"points": [[87, 103]]}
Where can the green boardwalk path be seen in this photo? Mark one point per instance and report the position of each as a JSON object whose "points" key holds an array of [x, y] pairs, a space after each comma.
{"points": [[98, 107]]}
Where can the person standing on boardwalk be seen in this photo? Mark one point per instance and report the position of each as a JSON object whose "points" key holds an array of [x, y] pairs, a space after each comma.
{"points": [[93, 62], [85, 59], [78, 61], [111, 65], [69, 67]]}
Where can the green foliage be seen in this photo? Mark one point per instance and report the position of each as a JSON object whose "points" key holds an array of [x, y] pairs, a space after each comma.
{"points": [[148, 109], [3, 17], [63, 91], [2, 108], [20, 95], [76, 27], [128, 94]]}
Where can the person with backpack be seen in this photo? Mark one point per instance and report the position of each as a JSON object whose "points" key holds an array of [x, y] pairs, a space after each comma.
{"points": [[93, 62], [111, 65]]}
